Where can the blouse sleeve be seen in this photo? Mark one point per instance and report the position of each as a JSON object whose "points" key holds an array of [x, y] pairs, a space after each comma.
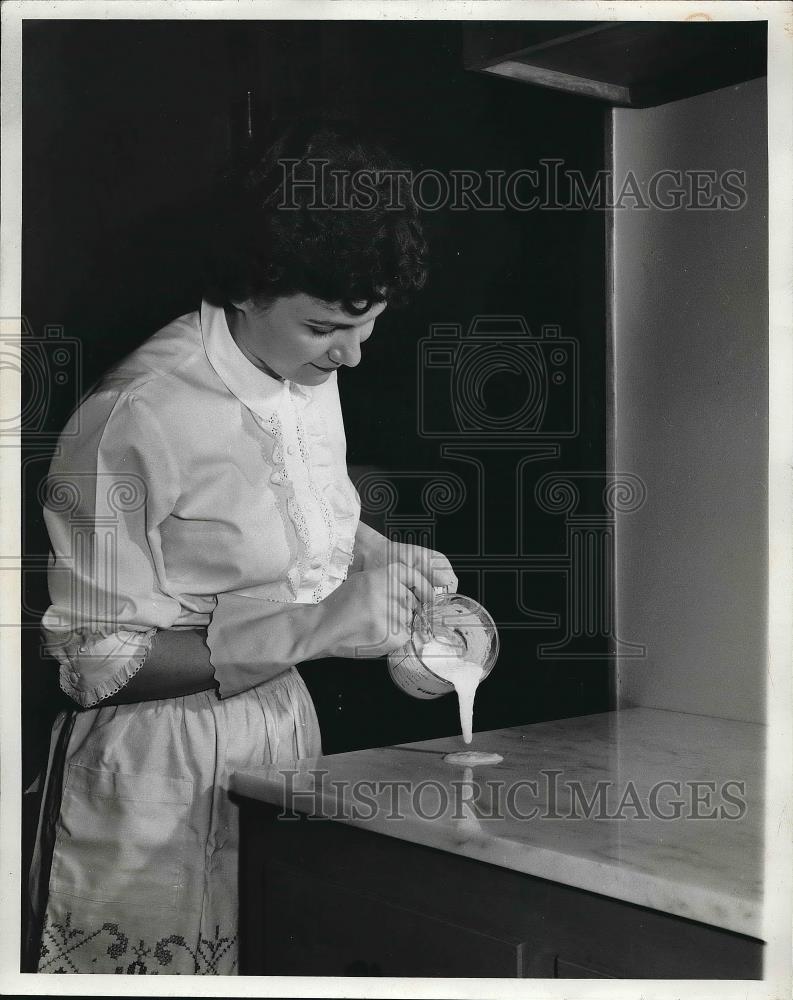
{"points": [[111, 485]]}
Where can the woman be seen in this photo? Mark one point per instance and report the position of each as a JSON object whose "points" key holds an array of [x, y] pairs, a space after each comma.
{"points": [[206, 539]]}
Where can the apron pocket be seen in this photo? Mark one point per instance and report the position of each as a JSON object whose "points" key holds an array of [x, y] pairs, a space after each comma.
{"points": [[121, 837]]}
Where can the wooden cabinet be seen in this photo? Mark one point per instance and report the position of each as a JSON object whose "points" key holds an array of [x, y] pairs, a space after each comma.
{"points": [[324, 928], [326, 899]]}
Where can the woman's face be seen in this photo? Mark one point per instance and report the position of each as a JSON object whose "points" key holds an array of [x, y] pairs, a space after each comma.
{"points": [[300, 338]]}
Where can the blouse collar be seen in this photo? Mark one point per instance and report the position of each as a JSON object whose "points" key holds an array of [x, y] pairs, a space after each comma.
{"points": [[258, 391]]}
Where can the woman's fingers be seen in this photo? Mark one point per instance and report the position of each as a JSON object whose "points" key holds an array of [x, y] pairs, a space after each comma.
{"points": [[442, 574], [434, 566], [445, 577], [412, 579]]}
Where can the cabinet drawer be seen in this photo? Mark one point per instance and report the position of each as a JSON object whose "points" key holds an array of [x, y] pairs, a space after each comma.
{"points": [[343, 932]]}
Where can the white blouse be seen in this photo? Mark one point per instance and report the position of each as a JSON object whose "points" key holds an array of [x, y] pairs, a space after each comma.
{"points": [[192, 489]]}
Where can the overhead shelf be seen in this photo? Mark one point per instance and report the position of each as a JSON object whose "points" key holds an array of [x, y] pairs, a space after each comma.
{"points": [[631, 64]]}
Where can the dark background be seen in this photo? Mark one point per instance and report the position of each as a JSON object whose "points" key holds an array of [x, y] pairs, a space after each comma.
{"points": [[125, 127]]}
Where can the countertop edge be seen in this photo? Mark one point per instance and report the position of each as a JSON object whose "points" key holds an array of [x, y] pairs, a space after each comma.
{"points": [[601, 878]]}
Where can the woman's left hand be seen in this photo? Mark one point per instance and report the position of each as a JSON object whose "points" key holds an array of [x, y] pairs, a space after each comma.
{"points": [[374, 551]]}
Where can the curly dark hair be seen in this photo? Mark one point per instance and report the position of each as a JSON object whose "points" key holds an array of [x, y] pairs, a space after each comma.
{"points": [[272, 237]]}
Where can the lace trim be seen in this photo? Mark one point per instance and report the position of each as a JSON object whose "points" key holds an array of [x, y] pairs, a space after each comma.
{"points": [[103, 689], [318, 497], [342, 553], [284, 489], [337, 507], [322, 493], [301, 441]]}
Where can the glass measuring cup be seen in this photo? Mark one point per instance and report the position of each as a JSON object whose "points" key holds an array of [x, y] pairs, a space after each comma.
{"points": [[452, 620]]}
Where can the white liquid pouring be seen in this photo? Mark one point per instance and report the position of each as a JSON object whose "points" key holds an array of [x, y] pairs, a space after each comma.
{"points": [[463, 675]]}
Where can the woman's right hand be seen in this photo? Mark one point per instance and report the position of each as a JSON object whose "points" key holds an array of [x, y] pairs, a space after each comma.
{"points": [[371, 613]]}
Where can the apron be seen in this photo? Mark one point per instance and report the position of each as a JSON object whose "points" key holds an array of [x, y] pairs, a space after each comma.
{"points": [[135, 865]]}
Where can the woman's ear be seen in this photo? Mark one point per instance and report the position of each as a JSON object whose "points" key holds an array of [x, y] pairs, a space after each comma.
{"points": [[250, 306]]}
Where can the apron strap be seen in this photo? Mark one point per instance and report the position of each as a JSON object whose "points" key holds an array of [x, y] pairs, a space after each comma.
{"points": [[39, 876]]}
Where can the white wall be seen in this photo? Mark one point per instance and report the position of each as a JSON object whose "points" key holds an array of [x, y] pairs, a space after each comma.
{"points": [[690, 412]]}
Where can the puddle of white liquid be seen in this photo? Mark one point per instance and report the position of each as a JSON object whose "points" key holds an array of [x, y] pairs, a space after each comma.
{"points": [[463, 675], [470, 758]]}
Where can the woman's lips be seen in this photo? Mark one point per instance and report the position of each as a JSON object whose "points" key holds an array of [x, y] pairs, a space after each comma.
{"points": [[325, 369]]}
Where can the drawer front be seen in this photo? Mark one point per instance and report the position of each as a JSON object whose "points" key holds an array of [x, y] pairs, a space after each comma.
{"points": [[321, 928]]}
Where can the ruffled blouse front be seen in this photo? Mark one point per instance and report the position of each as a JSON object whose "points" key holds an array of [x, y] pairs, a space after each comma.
{"points": [[192, 489]]}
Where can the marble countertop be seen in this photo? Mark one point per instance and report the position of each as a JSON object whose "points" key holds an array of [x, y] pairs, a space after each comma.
{"points": [[661, 809]]}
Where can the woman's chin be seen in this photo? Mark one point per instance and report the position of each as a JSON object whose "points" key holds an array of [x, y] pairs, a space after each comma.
{"points": [[311, 375]]}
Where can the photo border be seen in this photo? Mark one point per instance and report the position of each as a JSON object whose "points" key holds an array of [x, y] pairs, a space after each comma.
{"points": [[780, 609]]}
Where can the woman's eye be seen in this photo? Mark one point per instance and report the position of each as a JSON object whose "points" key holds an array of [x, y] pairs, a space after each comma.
{"points": [[320, 332]]}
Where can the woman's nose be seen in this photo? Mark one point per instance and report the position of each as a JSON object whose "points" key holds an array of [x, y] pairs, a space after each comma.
{"points": [[348, 353]]}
